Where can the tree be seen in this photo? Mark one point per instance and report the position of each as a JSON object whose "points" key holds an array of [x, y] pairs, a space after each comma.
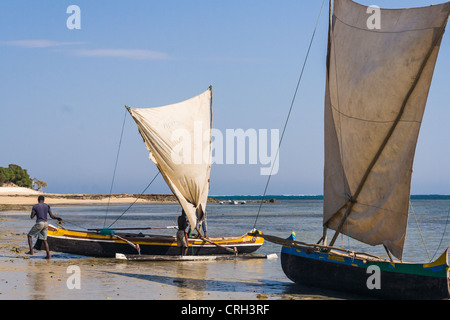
{"points": [[2, 176], [15, 174], [38, 184]]}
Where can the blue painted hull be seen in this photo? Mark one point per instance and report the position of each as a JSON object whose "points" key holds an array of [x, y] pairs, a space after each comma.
{"points": [[346, 274]]}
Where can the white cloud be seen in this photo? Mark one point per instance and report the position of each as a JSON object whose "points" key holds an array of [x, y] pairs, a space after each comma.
{"points": [[124, 53], [138, 54], [40, 43]]}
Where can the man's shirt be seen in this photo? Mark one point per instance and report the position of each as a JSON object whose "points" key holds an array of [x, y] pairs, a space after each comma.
{"points": [[40, 210]]}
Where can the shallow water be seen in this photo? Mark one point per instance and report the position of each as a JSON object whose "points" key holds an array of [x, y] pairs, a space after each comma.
{"points": [[24, 277]]}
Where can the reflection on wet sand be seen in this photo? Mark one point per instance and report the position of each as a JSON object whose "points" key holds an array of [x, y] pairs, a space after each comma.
{"points": [[198, 281]]}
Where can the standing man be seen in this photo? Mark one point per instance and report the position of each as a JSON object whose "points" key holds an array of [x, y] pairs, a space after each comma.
{"points": [[203, 224], [182, 241], [40, 228]]}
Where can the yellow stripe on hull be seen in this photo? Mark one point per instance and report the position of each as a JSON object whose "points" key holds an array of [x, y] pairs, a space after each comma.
{"points": [[224, 241]]}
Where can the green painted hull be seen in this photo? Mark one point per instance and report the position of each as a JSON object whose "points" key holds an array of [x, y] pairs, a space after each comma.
{"points": [[367, 277]]}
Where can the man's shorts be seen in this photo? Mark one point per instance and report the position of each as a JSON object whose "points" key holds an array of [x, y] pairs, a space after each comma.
{"points": [[39, 230], [181, 239]]}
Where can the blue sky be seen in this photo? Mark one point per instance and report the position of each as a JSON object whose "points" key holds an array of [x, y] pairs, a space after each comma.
{"points": [[62, 91]]}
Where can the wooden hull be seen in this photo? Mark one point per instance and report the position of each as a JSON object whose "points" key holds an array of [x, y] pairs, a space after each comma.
{"points": [[97, 245], [352, 275]]}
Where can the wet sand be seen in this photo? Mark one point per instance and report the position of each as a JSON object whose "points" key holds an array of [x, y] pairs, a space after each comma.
{"points": [[25, 277]]}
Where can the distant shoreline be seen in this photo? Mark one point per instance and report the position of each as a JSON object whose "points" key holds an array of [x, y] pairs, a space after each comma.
{"points": [[16, 202], [315, 197], [23, 202]]}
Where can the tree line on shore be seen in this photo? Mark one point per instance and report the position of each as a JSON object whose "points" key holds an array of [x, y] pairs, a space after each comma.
{"points": [[18, 176]]}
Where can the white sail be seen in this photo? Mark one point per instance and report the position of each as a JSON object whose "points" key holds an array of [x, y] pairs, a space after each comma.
{"points": [[178, 137], [377, 86]]}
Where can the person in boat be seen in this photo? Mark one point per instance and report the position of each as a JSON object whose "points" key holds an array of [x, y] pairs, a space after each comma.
{"points": [[200, 225], [40, 228], [182, 241], [203, 225]]}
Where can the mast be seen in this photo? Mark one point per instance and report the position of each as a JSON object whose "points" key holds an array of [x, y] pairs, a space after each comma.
{"points": [[330, 16]]}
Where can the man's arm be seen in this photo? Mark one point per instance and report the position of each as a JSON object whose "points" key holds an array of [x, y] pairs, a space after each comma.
{"points": [[52, 216], [33, 213]]}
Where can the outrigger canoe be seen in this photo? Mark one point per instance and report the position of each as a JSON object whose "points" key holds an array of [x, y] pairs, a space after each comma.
{"points": [[96, 244]]}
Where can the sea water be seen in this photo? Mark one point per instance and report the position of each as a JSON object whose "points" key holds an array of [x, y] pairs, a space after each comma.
{"points": [[241, 279]]}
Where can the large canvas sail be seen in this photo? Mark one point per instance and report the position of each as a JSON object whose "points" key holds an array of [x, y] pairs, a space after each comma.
{"points": [[376, 90], [178, 137]]}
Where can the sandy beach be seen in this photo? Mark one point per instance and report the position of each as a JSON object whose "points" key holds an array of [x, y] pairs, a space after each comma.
{"points": [[25, 277], [23, 198], [31, 277]]}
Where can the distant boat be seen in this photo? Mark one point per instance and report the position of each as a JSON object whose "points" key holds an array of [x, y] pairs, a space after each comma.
{"points": [[188, 180], [377, 82]]}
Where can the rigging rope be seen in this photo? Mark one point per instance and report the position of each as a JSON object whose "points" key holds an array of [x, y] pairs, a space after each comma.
{"points": [[114, 175], [137, 198], [112, 184], [60, 223], [289, 114], [115, 166], [445, 229], [420, 232]]}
